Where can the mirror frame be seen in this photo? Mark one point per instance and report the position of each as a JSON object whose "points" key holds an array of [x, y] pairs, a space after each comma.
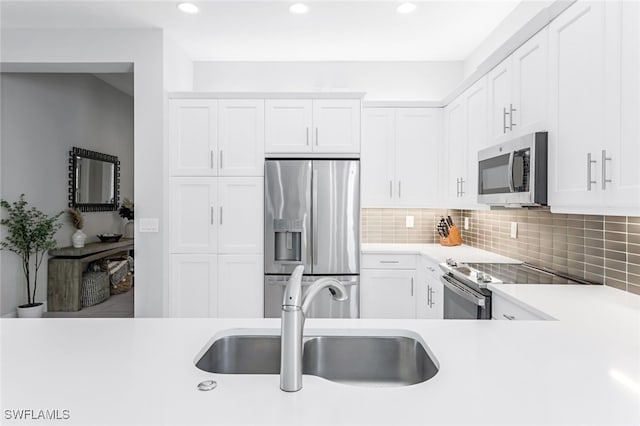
{"points": [[93, 155]]}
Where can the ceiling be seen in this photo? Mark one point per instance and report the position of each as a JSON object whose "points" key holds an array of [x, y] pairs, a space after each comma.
{"points": [[239, 30]]}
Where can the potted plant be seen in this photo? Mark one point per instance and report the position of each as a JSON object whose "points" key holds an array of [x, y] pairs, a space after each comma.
{"points": [[126, 212], [30, 235], [79, 237]]}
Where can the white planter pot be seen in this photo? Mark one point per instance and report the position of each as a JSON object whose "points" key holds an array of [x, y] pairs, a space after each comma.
{"points": [[78, 238], [31, 311], [129, 229]]}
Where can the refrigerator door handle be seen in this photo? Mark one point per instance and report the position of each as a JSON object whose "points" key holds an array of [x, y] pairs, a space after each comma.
{"points": [[314, 215]]}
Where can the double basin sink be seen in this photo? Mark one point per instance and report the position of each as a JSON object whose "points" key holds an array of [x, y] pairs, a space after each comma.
{"points": [[375, 359]]}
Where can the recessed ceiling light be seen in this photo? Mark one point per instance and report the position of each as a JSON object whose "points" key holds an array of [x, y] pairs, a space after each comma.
{"points": [[299, 8], [406, 8], [187, 7]]}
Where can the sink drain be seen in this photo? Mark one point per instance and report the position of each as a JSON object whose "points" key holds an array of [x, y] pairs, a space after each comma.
{"points": [[207, 385]]}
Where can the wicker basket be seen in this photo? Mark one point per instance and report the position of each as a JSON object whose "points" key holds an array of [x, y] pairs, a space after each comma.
{"points": [[95, 288], [123, 286]]}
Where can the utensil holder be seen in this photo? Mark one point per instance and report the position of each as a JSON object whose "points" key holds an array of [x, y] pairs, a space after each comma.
{"points": [[454, 238]]}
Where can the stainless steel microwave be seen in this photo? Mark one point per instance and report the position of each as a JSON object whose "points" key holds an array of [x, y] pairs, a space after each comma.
{"points": [[514, 173]]}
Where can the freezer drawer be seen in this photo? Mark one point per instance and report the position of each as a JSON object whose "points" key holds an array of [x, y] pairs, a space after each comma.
{"points": [[323, 305]]}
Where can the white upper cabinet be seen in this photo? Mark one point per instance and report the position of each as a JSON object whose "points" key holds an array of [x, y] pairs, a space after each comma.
{"points": [[584, 107], [240, 215], [240, 286], [400, 157], [378, 157], [623, 168], [300, 126], [454, 169], [193, 215], [336, 126], [288, 125], [517, 90], [193, 137], [241, 137], [476, 135]]}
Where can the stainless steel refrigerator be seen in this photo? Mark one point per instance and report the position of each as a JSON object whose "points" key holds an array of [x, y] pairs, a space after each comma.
{"points": [[312, 218]]}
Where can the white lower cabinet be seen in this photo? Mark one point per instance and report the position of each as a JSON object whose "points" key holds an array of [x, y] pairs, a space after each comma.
{"points": [[392, 286], [387, 293], [193, 292], [222, 286], [503, 309], [240, 286], [429, 302]]}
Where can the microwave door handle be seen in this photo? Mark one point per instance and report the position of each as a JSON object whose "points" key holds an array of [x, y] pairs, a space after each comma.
{"points": [[510, 172]]}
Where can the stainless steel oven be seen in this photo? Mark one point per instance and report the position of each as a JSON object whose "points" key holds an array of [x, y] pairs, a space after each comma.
{"points": [[464, 302]]}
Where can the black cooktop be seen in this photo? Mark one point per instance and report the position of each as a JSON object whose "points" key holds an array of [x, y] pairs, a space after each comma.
{"points": [[525, 274]]}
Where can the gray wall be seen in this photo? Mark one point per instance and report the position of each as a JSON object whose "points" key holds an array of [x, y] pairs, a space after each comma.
{"points": [[43, 116]]}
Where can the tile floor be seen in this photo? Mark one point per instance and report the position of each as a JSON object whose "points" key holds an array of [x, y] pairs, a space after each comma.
{"points": [[116, 306]]}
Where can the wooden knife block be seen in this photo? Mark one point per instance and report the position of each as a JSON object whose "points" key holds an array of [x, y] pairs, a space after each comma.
{"points": [[454, 238]]}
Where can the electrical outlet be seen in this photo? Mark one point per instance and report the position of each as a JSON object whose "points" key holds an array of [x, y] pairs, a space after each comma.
{"points": [[514, 229], [466, 223], [409, 222]]}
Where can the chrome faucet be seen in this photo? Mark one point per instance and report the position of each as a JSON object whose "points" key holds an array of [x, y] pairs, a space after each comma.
{"points": [[294, 311]]}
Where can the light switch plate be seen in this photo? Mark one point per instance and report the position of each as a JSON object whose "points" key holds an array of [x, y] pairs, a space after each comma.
{"points": [[149, 225], [409, 222], [514, 229], [466, 223]]}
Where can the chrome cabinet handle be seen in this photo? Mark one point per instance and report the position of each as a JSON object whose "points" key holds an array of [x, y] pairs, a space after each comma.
{"points": [[504, 120], [307, 136], [316, 136], [220, 158], [390, 189], [399, 189], [220, 215], [389, 261], [457, 187], [604, 169], [211, 214], [461, 187], [512, 110], [211, 162], [429, 296], [589, 181], [411, 287], [509, 317]]}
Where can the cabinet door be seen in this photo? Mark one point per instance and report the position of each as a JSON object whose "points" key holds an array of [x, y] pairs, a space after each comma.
{"points": [[336, 126], [378, 157], [453, 169], [241, 142], [476, 135], [193, 210], [288, 125], [193, 140], [240, 215], [530, 90], [499, 81], [578, 112], [417, 137], [623, 192], [387, 294], [429, 304], [240, 286], [193, 289]]}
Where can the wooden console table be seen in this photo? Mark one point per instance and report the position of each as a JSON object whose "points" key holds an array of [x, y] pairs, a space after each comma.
{"points": [[65, 272]]}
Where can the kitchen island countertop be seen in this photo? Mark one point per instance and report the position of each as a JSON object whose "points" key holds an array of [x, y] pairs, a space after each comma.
{"points": [[582, 369]]}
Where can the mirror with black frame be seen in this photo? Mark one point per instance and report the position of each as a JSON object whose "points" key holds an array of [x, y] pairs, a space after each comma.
{"points": [[94, 181]]}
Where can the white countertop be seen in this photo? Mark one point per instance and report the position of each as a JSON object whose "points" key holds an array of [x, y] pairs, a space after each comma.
{"points": [[462, 253], [582, 369]]}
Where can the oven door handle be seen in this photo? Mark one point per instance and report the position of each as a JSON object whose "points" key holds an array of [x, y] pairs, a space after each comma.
{"points": [[465, 294]]}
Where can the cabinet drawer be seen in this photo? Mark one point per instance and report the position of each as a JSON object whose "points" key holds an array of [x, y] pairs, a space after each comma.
{"points": [[503, 309], [388, 261]]}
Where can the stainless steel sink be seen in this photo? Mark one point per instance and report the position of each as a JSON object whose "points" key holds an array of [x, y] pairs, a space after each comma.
{"points": [[369, 360]]}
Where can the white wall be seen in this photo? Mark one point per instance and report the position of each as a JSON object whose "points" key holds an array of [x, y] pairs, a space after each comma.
{"points": [[430, 81], [522, 14], [178, 67], [143, 48], [43, 117]]}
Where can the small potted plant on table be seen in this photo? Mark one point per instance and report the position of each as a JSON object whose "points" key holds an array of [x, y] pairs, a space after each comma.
{"points": [[30, 235]]}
